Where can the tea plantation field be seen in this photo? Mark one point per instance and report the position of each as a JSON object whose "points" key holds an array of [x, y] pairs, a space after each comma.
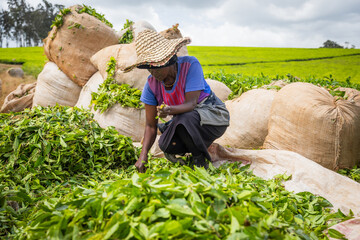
{"points": [[340, 64]]}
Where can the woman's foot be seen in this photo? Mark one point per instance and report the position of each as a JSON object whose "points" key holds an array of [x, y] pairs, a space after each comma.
{"points": [[200, 161], [173, 158]]}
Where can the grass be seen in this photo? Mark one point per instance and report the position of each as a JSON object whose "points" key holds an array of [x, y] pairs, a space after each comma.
{"points": [[32, 58], [303, 63], [341, 68], [231, 55], [248, 61]]}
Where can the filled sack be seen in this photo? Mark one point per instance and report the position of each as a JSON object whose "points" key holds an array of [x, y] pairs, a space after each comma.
{"points": [[220, 89], [54, 87], [140, 26], [71, 45], [123, 54], [249, 115], [19, 99], [308, 120], [84, 100], [127, 121]]}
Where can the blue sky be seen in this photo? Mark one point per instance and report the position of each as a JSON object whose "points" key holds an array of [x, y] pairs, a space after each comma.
{"points": [[257, 23]]}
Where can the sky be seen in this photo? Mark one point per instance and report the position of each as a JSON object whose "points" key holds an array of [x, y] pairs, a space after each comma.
{"points": [[245, 23]]}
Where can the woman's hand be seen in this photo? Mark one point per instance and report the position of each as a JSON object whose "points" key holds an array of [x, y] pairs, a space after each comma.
{"points": [[140, 164], [163, 110]]}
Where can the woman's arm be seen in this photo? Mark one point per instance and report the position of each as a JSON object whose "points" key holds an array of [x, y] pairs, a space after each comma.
{"points": [[149, 136], [190, 103]]}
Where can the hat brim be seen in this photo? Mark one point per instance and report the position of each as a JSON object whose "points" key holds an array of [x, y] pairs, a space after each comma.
{"points": [[154, 59]]}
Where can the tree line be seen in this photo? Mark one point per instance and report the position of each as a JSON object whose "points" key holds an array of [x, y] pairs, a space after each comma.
{"points": [[333, 44], [26, 25]]}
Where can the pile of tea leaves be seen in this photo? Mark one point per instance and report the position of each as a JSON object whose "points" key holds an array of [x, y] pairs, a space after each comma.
{"points": [[110, 92], [44, 148], [176, 202]]}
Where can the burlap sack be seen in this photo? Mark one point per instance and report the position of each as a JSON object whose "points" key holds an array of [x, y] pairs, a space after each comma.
{"points": [[127, 121], [173, 33], [140, 26], [71, 47], [350, 229], [249, 116], [275, 85], [54, 87], [91, 86], [307, 176], [123, 54], [351, 94], [306, 119], [19, 99], [219, 88]]}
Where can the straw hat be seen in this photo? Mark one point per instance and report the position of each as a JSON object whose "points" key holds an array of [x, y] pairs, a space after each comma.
{"points": [[155, 50]]}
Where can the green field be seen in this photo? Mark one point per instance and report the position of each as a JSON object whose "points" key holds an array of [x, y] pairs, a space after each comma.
{"points": [[248, 61], [300, 62], [32, 58]]}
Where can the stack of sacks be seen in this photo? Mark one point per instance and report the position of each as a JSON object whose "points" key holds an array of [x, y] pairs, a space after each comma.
{"points": [[54, 87], [69, 48], [308, 120], [127, 121]]}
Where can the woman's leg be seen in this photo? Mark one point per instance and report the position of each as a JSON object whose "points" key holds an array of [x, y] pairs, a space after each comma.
{"points": [[182, 143], [198, 157], [175, 140]]}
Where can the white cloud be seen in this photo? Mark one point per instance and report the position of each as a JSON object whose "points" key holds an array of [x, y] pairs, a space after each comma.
{"points": [[276, 23]]}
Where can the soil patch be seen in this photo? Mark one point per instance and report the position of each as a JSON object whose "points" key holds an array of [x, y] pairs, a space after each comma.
{"points": [[8, 83]]}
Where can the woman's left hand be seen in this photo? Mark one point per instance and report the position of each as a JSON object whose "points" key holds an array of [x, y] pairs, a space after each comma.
{"points": [[163, 111]]}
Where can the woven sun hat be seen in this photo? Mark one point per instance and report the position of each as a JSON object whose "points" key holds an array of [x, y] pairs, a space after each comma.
{"points": [[154, 50]]}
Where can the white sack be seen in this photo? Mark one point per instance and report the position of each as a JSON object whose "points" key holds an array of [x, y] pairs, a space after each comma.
{"points": [[53, 86], [140, 26], [91, 86], [127, 121], [124, 54], [249, 115], [220, 89]]}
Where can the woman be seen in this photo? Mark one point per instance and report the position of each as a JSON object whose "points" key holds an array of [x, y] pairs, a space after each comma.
{"points": [[177, 87]]}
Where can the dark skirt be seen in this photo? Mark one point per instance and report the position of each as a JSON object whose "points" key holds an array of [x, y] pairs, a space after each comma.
{"points": [[203, 136]]}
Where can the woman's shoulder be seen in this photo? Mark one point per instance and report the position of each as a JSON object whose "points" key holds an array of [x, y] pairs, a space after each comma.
{"points": [[189, 59]]}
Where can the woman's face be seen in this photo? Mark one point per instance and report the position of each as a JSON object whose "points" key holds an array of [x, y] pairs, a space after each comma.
{"points": [[160, 74]]}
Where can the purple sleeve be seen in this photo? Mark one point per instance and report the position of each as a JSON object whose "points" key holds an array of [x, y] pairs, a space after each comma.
{"points": [[147, 96]]}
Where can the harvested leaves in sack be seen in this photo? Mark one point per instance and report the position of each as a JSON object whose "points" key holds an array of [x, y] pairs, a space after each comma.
{"points": [[59, 21], [110, 92], [128, 36], [181, 203], [91, 11]]}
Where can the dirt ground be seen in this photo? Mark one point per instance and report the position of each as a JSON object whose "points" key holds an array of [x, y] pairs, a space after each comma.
{"points": [[8, 83]]}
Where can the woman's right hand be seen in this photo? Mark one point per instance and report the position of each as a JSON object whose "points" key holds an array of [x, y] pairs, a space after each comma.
{"points": [[140, 164]]}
